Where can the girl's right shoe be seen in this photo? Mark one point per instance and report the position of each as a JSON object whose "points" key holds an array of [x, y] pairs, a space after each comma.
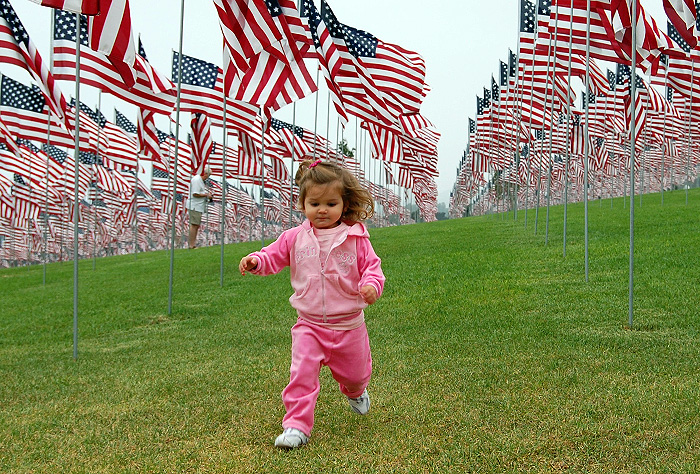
{"points": [[291, 438]]}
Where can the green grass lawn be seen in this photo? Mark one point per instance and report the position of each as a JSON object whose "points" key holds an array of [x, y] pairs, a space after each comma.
{"points": [[491, 354]]}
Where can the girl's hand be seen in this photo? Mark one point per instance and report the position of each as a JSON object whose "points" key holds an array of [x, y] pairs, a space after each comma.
{"points": [[369, 294], [247, 264]]}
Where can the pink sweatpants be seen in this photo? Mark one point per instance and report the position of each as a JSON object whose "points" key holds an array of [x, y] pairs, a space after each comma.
{"points": [[347, 355]]}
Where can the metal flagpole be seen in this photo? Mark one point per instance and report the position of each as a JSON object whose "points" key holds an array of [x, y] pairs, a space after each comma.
{"points": [[94, 172], [328, 123], [644, 154], [136, 208], [663, 155], [262, 187], [46, 196], [551, 133], [585, 130], [291, 165], [546, 98], [568, 131], [171, 162], [76, 183], [177, 143], [223, 197], [529, 128], [633, 91], [48, 144], [690, 114], [316, 115]]}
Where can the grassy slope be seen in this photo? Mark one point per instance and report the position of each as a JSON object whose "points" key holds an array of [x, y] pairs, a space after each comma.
{"points": [[491, 352]]}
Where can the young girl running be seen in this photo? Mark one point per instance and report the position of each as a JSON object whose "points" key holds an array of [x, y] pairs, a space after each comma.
{"points": [[335, 274]]}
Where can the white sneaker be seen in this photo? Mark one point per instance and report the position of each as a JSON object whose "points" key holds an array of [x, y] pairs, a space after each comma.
{"points": [[291, 438], [360, 405]]}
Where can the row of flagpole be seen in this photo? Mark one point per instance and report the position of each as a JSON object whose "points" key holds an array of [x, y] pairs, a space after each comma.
{"points": [[76, 195], [586, 147]]}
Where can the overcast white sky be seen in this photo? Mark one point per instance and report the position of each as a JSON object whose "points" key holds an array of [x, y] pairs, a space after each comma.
{"points": [[461, 42]]}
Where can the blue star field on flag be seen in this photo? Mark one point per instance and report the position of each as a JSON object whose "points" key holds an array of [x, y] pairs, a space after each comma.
{"points": [[124, 123], [56, 154], [359, 42], [527, 16], [16, 95], [195, 71], [279, 124], [64, 27]]}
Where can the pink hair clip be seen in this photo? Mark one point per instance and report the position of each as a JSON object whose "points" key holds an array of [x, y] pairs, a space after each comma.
{"points": [[314, 163]]}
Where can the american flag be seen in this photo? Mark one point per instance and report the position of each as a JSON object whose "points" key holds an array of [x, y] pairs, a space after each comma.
{"points": [[91, 136], [329, 59], [149, 142], [495, 91], [98, 71], [34, 162], [202, 143], [397, 72], [124, 123], [14, 161], [387, 145], [7, 138], [266, 42], [248, 162], [161, 180], [682, 14], [86, 7], [25, 206], [26, 115], [122, 150], [56, 154], [374, 80], [202, 91], [110, 33], [15, 39], [293, 138]]}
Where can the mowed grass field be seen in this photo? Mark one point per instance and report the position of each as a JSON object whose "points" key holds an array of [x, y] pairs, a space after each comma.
{"points": [[491, 354]]}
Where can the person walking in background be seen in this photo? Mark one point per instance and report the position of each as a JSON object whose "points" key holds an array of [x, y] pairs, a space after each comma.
{"points": [[197, 204], [335, 274]]}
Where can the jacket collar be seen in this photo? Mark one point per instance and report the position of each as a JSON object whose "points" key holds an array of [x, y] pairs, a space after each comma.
{"points": [[358, 229]]}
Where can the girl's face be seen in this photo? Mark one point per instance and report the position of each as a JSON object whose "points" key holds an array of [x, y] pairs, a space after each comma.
{"points": [[323, 205]]}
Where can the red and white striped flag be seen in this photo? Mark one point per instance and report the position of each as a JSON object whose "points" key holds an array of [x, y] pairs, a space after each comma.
{"points": [[86, 7], [149, 144], [17, 48], [202, 143], [110, 33], [7, 139], [266, 42], [99, 72], [682, 14]]}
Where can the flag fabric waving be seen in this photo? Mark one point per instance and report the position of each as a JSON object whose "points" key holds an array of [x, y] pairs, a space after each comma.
{"points": [[265, 43], [86, 7], [202, 143], [682, 15], [110, 33], [96, 70], [14, 37]]}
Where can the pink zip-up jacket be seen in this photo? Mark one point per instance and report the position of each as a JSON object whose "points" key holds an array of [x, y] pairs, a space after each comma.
{"points": [[328, 294]]}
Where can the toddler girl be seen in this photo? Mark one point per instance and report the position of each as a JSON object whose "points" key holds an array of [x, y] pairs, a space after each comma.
{"points": [[335, 274]]}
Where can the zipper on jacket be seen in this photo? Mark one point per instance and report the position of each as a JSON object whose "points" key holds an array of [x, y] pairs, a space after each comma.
{"points": [[323, 294], [323, 272]]}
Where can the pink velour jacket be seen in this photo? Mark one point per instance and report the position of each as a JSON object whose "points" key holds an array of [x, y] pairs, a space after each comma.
{"points": [[326, 294]]}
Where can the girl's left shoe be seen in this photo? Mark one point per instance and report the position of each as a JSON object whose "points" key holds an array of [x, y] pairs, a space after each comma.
{"points": [[360, 405], [291, 438]]}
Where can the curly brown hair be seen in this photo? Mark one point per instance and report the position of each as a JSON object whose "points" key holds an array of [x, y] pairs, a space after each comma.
{"points": [[358, 204]]}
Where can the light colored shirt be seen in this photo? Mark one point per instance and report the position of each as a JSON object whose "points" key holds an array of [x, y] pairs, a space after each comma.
{"points": [[325, 240], [197, 187]]}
